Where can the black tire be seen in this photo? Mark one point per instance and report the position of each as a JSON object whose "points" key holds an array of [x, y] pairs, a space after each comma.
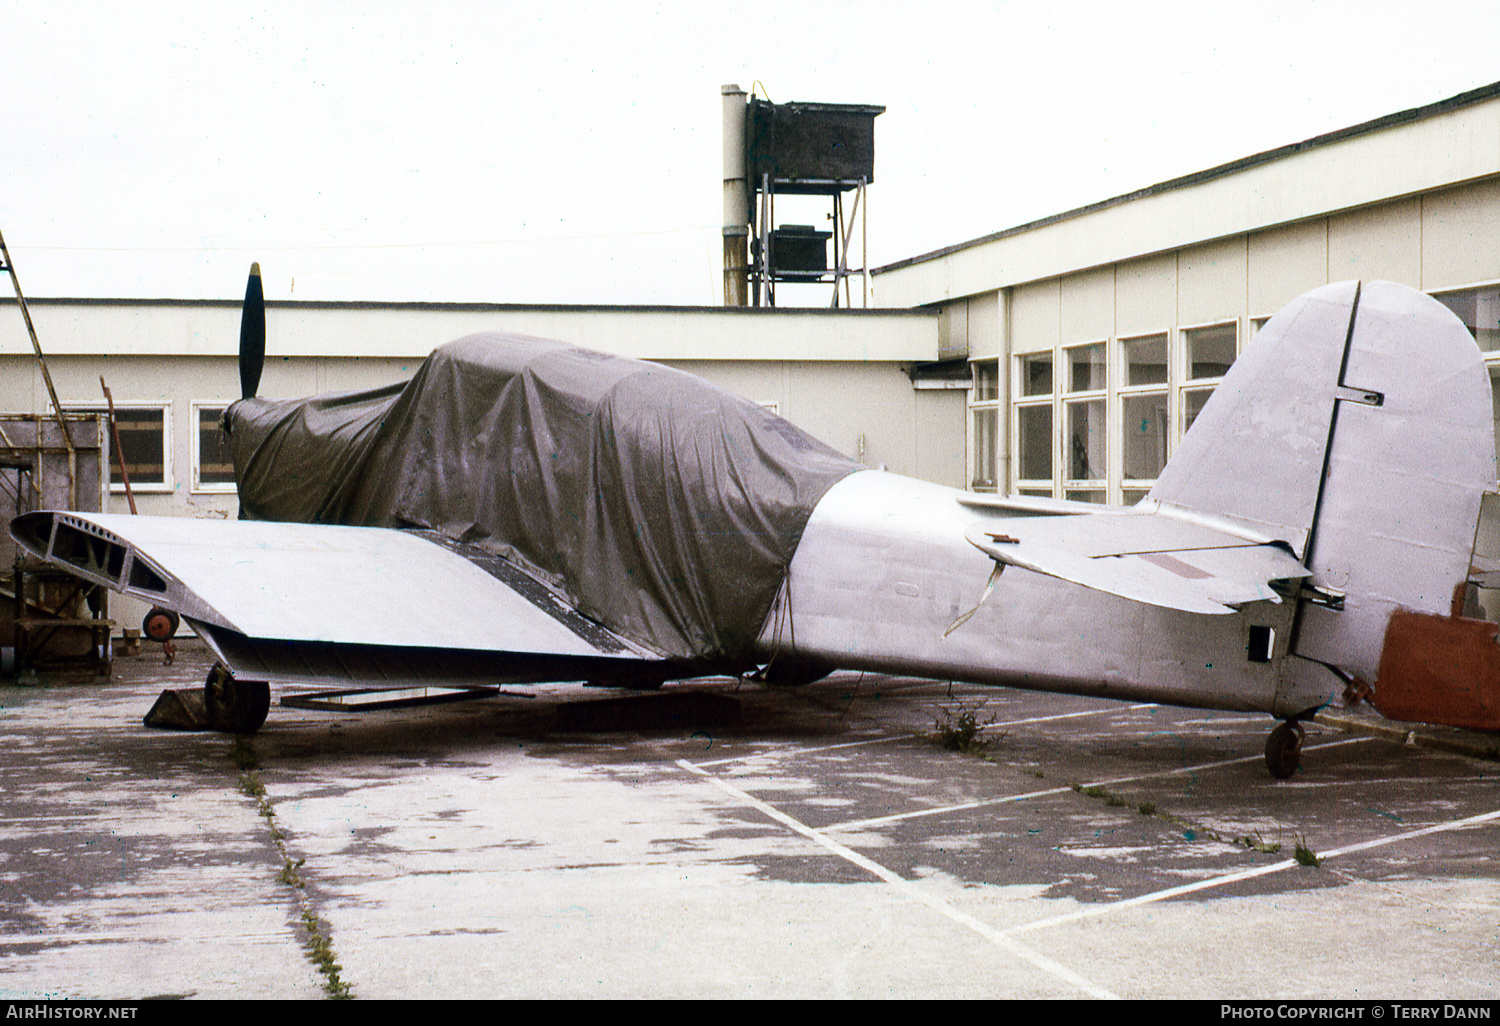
{"points": [[1284, 749], [792, 673], [235, 706]]}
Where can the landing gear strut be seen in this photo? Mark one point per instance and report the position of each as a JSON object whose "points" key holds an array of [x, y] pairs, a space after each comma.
{"points": [[235, 706], [1284, 749]]}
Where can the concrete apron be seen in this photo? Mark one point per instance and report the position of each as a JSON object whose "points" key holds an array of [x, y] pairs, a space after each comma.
{"points": [[824, 846]]}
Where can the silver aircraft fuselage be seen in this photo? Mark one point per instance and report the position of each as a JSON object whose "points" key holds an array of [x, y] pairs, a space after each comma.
{"points": [[883, 571]]}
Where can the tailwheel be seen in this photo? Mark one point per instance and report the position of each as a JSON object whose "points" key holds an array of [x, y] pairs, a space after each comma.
{"points": [[235, 706], [1284, 749]]}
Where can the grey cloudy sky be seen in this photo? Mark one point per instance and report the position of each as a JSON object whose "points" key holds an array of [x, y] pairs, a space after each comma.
{"points": [[570, 151]]}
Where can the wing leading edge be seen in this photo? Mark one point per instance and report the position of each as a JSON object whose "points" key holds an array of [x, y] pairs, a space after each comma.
{"points": [[1151, 554], [315, 602]]}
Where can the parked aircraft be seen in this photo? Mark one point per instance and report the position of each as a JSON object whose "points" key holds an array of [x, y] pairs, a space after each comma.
{"points": [[524, 510]]}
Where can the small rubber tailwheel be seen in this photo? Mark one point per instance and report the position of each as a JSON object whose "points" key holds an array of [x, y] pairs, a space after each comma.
{"points": [[1284, 749]]}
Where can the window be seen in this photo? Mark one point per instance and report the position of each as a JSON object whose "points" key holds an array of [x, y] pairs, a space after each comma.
{"points": [[1086, 407], [1145, 360], [1035, 375], [1143, 411], [1033, 435], [986, 439], [1097, 421], [984, 402], [1479, 309], [1209, 352], [213, 463], [1192, 405], [1086, 457], [1144, 426], [986, 380], [1086, 368], [1495, 406], [143, 442]]}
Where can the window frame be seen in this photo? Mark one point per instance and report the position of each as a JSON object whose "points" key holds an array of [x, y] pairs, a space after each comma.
{"points": [[199, 486], [1186, 384], [168, 482], [1490, 355], [1020, 402], [1070, 400], [987, 409], [1124, 392]]}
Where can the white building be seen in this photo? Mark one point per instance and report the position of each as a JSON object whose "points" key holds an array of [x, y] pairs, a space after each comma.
{"points": [[854, 379], [1094, 336]]}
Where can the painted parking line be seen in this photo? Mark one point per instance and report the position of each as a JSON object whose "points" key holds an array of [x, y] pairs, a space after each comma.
{"points": [[1246, 874], [907, 887], [1006, 938], [782, 751], [862, 824], [1075, 715]]}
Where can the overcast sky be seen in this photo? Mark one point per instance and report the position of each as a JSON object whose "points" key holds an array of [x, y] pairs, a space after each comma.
{"points": [[570, 151]]}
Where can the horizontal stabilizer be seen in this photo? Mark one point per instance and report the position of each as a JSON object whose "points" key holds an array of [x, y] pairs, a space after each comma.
{"points": [[1150, 557]]}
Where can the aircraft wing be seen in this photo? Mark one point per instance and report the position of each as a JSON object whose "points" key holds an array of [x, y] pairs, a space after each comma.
{"points": [[1150, 554], [323, 603]]}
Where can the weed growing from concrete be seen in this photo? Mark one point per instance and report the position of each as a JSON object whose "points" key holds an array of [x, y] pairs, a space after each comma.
{"points": [[1191, 830], [320, 951], [1260, 844], [318, 944], [958, 729], [1101, 792], [289, 874]]}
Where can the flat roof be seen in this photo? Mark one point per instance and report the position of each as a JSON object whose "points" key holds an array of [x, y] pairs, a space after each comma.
{"points": [[446, 307], [1199, 177]]}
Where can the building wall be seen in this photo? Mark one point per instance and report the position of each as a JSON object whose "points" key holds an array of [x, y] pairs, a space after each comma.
{"points": [[841, 376], [1446, 243], [343, 330]]}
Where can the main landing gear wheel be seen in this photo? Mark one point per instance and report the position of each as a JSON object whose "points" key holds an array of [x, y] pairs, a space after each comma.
{"points": [[1284, 749], [235, 706], [160, 624], [792, 673]]}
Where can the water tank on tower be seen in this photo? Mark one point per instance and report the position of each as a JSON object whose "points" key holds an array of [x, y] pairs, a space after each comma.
{"points": [[800, 149]]}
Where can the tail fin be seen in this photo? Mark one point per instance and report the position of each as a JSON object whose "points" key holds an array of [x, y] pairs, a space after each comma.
{"points": [[1358, 428]]}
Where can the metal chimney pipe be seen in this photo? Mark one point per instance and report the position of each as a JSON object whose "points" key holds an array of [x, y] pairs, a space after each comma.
{"points": [[736, 200]]}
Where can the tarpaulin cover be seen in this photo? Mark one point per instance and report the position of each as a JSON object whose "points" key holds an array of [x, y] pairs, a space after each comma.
{"points": [[661, 506]]}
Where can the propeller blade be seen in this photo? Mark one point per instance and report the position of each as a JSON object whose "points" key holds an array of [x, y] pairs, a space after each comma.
{"points": [[252, 335]]}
